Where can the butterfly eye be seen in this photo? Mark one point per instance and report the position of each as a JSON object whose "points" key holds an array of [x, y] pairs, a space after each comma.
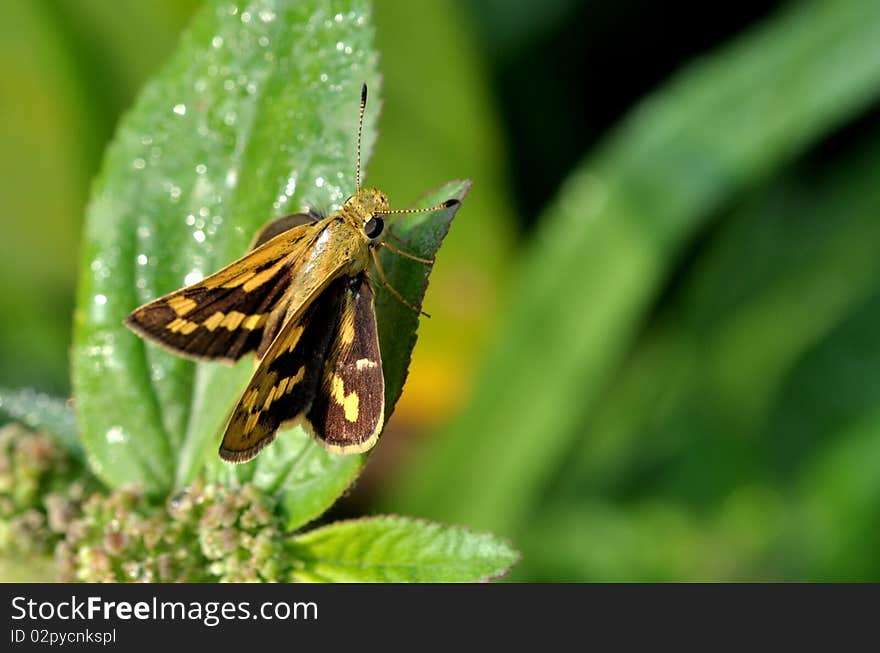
{"points": [[374, 228]]}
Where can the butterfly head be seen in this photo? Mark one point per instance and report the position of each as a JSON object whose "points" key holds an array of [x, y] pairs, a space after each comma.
{"points": [[369, 205]]}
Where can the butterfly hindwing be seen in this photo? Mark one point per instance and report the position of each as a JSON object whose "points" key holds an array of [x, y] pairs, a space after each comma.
{"points": [[282, 224], [231, 312], [285, 382], [348, 410]]}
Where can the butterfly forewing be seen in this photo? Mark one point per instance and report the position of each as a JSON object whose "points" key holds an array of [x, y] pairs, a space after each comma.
{"points": [[347, 413], [232, 312], [285, 382]]}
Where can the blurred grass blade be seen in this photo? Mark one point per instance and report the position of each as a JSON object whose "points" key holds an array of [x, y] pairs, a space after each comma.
{"points": [[788, 502], [752, 376], [831, 538], [41, 412], [399, 550], [307, 478], [51, 137], [254, 116], [608, 241], [729, 340], [656, 541]]}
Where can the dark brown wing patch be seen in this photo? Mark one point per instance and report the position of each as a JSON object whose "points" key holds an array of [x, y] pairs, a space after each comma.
{"points": [[230, 313], [284, 384], [347, 413], [225, 324]]}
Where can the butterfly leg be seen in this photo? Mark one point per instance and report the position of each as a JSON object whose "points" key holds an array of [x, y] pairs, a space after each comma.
{"points": [[381, 272], [397, 250], [402, 241]]}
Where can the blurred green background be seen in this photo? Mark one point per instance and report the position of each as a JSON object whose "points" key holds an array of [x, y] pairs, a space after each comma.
{"points": [[654, 351]]}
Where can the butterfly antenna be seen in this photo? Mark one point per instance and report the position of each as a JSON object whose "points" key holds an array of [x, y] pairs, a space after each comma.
{"points": [[443, 205], [360, 131], [436, 207]]}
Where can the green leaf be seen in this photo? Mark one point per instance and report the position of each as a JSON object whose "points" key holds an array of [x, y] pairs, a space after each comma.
{"points": [[307, 477], [422, 234], [254, 116], [399, 550], [607, 244], [430, 135], [41, 412]]}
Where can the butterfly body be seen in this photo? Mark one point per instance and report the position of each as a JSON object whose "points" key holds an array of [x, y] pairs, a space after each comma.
{"points": [[320, 252]]}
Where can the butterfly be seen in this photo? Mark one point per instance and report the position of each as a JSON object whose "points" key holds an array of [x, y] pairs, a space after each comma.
{"points": [[301, 299]]}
